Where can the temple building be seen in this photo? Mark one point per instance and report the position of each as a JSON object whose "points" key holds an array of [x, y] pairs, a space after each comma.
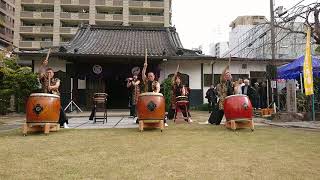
{"points": [[100, 59]]}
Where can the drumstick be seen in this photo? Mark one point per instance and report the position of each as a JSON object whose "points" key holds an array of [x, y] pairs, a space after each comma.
{"points": [[48, 54], [47, 59], [49, 82], [146, 56]]}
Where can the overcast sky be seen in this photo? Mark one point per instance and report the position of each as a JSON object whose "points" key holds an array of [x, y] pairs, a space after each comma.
{"points": [[202, 22]]}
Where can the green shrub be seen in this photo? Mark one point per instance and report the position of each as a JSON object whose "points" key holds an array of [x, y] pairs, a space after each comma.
{"points": [[167, 92], [15, 80]]}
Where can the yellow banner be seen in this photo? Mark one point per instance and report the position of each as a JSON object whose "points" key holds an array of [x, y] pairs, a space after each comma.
{"points": [[307, 67]]}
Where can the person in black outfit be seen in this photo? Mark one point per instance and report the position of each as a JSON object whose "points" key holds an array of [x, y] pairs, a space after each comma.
{"points": [[263, 95], [248, 90], [211, 95], [256, 97]]}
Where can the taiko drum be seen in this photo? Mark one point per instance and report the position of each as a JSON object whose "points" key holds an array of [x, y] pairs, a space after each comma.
{"points": [[43, 108], [237, 107], [151, 106]]}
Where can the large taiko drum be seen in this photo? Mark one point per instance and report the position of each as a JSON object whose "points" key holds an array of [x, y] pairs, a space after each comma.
{"points": [[151, 106], [237, 107], [43, 108]]}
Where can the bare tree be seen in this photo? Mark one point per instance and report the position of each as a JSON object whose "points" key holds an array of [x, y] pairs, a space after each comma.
{"points": [[308, 14]]}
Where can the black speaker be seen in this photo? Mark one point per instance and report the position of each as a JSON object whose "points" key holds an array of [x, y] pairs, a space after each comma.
{"points": [[271, 71]]}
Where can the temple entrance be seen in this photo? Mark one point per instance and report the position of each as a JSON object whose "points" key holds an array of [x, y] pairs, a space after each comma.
{"points": [[117, 90], [104, 78]]}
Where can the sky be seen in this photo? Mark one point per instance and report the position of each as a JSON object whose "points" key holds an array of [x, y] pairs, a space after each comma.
{"points": [[202, 22]]}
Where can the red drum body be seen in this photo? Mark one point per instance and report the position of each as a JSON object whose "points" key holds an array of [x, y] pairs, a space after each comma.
{"points": [[182, 98], [182, 101], [151, 106], [237, 107], [43, 108]]}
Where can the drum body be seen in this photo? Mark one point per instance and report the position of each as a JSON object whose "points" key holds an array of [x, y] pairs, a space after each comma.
{"points": [[182, 98], [151, 106], [237, 107], [43, 108]]}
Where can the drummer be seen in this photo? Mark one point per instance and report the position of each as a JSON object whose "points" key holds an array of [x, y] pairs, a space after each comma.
{"points": [[179, 90], [150, 84], [51, 85], [134, 85], [224, 89]]}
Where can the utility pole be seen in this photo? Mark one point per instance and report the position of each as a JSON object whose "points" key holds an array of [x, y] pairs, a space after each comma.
{"points": [[273, 56], [272, 63]]}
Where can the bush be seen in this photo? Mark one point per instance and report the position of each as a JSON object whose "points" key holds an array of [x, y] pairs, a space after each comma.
{"points": [[167, 92], [15, 80]]}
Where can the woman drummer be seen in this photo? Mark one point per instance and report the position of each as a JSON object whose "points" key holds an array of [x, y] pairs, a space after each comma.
{"points": [[179, 90], [224, 88]]}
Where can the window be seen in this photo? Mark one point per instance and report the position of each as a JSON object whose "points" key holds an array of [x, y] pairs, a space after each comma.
{"points": [[207, 80], [258, 74], [28, 39], [46, 39]]}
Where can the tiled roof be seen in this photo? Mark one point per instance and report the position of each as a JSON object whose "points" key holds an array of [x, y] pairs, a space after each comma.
{"points": [[126, 41]]}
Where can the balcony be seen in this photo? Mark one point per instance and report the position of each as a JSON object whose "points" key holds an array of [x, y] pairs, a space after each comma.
{"points": [[7, 24], [5, 10], [74, 16], [75, 2], [36, 29], [37, 1], [146, 19], [6, 36], [36, 15], [109, 17], [146, 4], [12, 2], [34, 44], [110, 3], [68, 30]]}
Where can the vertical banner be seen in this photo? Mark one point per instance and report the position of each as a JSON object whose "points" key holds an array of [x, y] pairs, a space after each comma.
{"points": [[307, 67]]}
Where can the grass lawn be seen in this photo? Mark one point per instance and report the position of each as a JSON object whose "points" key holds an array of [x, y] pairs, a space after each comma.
{"points": [[181, 152]]}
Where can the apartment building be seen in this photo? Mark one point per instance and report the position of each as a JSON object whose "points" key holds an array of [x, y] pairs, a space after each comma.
{"points": [[220, 48], [43, 23], [239, 27], [6, 22]]}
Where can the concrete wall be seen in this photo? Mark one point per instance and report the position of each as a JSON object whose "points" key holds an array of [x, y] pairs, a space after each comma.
{"points": [[186, 67], [193, 69]]}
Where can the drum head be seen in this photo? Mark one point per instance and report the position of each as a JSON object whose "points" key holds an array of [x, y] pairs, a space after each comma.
{"points": [[44, 95], [237, 95], [151, 94], [182, 96]]}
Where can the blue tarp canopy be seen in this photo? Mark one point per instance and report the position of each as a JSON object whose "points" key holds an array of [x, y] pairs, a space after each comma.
{"points": [[293, 69]]}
